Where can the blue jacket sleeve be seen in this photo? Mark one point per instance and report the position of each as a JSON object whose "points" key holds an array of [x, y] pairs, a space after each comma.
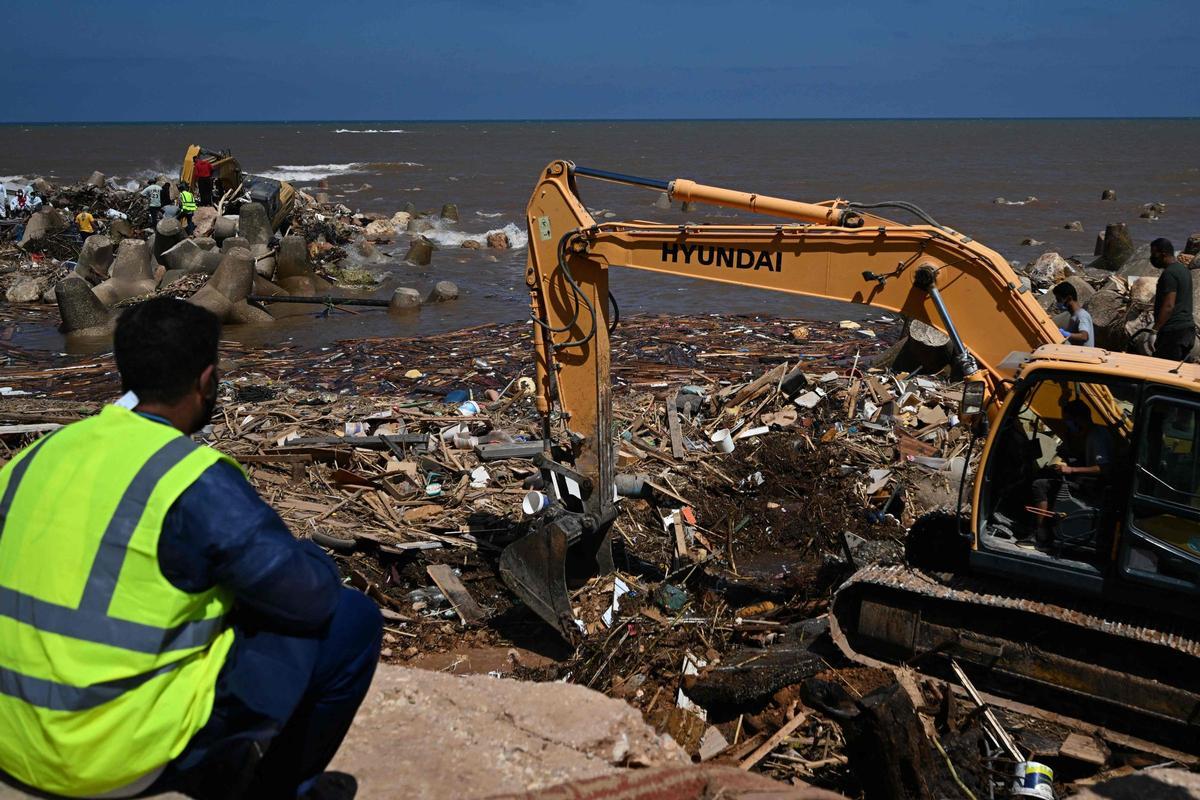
{"points": [[221, 533]]}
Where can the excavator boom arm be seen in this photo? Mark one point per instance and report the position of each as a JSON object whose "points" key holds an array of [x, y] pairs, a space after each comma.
{"points": [[831, 250]]}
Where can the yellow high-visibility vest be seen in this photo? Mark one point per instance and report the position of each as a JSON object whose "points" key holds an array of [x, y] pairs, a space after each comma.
{"points": [[187, 201], [106, 669]]}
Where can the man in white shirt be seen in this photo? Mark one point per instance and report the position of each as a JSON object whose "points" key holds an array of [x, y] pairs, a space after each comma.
{"points": [[1079, 328]]}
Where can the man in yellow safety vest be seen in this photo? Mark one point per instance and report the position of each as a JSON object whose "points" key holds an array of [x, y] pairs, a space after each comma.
{"points": [[161, 629], [187, 207]]}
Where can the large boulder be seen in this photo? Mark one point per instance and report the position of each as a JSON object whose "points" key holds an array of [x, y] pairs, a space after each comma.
{"points": [[484, 736], [95, 259], [82, 313], [96, 179], [45, 222], [254, 225], [450, 212], [42, 187], [25, 290], [204, 219], [1049, 270], [381, 230], [1108, 307], [400, 220], [132, 273], [498, 240]]}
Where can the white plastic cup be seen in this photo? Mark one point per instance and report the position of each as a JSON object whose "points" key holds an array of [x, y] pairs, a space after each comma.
{"points": [[469, 408], [465, 442], [448, 433], [534, 503], [723, 440]]}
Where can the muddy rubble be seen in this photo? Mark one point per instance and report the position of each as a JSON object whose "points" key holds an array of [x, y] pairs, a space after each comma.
{"points": [[409, 459]]}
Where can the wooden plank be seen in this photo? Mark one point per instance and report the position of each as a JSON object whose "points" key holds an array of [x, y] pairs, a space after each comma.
{"points": [[681, 547], [42, 427], [673, 426], [277, 458], [464, 604], [1085, 749], [776, 738], [754, 387]]}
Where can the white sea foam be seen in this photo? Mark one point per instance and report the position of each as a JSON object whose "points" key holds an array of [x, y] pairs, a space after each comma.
{"points": [[311, 172], [448, 237], [489, 215], [368, 130]]}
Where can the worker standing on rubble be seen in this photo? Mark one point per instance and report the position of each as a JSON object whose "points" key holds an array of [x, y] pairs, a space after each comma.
{"points": [[187, 206], [163, 630], [1174, 327], [202, 173]]}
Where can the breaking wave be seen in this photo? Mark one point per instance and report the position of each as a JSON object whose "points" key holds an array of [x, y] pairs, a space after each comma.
{"points": [[311, 172], [445, 237], [367, 130], [489, 215]]}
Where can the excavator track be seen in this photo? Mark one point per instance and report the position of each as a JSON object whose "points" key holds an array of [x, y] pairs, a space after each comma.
{"points": [[1128, 675]]}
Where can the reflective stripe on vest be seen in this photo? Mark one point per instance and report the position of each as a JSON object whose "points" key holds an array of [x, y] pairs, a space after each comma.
{"points": [[187, 201], [107, 672]]}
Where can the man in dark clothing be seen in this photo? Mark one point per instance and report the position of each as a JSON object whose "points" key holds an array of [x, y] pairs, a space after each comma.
{"points": [[304, 648], [1174, 326], [202, 172]]}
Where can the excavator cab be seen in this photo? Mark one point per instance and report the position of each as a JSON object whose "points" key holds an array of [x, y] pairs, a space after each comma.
{"points": [[1126, 511]]}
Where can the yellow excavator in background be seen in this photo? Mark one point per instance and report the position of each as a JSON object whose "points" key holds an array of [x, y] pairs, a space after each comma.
{"points": [[1098, 622], [234, 185]]}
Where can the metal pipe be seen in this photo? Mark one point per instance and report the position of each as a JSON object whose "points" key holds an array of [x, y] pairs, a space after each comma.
{"points": [[617, 177], [966, 361], [322, 301]]}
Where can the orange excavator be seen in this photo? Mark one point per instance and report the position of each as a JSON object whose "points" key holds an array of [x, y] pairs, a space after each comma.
{"points": [[1097, 621]]}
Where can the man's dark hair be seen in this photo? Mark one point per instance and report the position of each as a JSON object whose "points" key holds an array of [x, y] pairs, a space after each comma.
{"points": [[1162, 245], [161, 347], [1077, 409], [1066, 291]]}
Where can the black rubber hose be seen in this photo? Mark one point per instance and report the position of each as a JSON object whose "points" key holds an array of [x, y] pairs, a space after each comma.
{"points": [[338, 543]]}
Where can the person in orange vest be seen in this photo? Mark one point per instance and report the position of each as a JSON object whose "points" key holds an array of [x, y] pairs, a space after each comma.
{"points": [[162, 629]]}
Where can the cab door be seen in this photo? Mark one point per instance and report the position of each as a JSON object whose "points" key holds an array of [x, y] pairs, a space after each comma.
{"points": [[1161, 544]]}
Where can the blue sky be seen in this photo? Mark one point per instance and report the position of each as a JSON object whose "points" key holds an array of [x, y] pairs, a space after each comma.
{"points": [[374, 60]]}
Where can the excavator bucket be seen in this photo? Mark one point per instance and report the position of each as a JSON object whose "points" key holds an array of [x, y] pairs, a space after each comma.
{"points": [[538, 566]]}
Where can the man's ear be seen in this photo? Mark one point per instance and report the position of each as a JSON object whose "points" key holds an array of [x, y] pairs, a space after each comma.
{"points": [[206, 377]]}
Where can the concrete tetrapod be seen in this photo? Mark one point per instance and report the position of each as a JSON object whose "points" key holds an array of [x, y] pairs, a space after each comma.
{"points": [[225, 292], [404, 300], [82, 312], [294, 272], [167, 233], [442, 291], [95, 259], [225, 227], [254, 224], [41, 224], [132, 274]]}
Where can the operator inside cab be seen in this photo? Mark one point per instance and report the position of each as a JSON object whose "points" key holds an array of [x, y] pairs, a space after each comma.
{"points": [[1085, 457], [162, 629]]}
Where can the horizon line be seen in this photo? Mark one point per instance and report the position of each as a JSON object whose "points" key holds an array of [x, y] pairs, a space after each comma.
{"points": [[519, 120]]}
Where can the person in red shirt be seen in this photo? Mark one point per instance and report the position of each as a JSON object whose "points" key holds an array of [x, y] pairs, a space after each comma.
{"points": [[202, 170]]}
